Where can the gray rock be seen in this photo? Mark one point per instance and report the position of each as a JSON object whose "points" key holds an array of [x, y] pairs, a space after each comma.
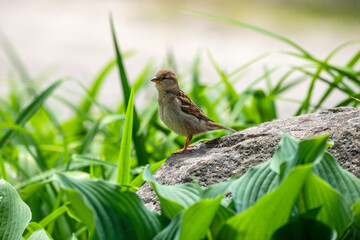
{"points": [[219, 159]]}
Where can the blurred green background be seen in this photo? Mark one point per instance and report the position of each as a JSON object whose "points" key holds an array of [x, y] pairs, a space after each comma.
{"points": [[72, 38]]}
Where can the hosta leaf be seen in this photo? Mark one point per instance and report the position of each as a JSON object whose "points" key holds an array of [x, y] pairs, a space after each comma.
{"points": [[117, 215], [197, 218], [292, 152], [173, 199], [305, 228], [270, 212], [254, 184], [334, 209], [14, 213], [340, 179], [262, 179]]}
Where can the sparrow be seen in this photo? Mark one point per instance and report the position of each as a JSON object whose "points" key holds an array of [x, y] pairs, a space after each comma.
{"points": [[178, 111]]}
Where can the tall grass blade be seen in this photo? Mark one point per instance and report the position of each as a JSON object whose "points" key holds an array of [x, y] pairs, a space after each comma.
{"points": [[249, 26], [338, 79], [29, 111], [139, 139], [3, 173], [123, 172]]}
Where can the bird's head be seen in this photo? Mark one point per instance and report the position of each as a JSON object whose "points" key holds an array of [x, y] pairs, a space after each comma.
{"points": [[165, 80]]}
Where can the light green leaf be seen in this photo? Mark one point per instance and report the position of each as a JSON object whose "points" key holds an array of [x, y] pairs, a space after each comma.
{"points": [[197, 218], [14, 213], [123, 173], [193, 223], [39, 235]]}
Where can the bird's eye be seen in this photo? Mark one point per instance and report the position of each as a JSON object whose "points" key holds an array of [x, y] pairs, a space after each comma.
{"points": [[163, 77]]}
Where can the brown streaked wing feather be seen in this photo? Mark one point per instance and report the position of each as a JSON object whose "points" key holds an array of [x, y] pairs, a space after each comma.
{"points": [[188, 106]]}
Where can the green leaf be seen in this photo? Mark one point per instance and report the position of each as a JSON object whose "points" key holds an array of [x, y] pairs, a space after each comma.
{"points": [[14, 213], [292, 152], [79, 210], [340, 179], [197, 218], [334, 209], [270, 212], [173, 199], [193, 223], [29, 190], [39, 234], [255, 183], [171, 231], [95, 161], [220, 218], [117, 215], [353, 232], [302, 227], [29, 111], [123, 172]]}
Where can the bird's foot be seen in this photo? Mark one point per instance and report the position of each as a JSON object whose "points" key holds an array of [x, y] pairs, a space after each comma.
{"points": [[184, 150]]}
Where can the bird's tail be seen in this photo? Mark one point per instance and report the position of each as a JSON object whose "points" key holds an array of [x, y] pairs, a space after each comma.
{"points": [[215, 126]]}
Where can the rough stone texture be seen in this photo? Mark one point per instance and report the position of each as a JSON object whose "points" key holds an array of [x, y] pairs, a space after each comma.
{"points": [[219, 159]]}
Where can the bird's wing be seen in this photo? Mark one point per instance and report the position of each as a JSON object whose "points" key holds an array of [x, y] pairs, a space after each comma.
{"points": [[189, 107]]}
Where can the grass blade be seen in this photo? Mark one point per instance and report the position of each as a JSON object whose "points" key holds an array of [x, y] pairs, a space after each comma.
{"points": [[123, 173], [139, 139], [249, 26], [29, 111]]}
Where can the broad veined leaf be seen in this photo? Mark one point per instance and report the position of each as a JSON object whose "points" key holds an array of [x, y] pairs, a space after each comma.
{"points": [[270, 212], [340, 179], [334, 208], [255, 183], [14, 213], [117, 215]]}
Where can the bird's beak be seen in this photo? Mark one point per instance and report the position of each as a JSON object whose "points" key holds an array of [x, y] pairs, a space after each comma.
{"points": [[155, 79]]}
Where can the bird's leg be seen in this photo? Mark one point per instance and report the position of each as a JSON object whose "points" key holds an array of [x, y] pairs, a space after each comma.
{"points": [[188, 139]]}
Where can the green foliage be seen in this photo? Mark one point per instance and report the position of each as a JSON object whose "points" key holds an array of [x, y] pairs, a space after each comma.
{"points": [[123, 174], [48, 157], [14, 213]]}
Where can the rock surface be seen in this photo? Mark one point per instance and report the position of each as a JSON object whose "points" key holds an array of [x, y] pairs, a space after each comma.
{"points": [[219, 159]]}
